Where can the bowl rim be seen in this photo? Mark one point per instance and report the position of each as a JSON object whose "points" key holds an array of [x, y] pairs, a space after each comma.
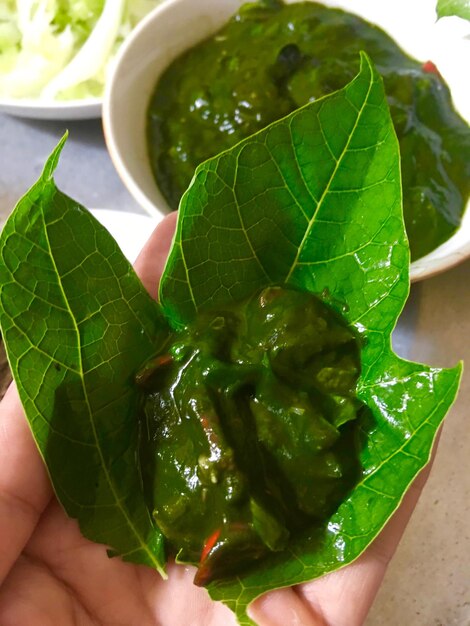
{"points": [[107, 116], [38, 108], [440, 259]]}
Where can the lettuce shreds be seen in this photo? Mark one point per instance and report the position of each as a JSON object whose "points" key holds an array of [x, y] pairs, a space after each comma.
{"points": [[60, 49], [94, 53]]}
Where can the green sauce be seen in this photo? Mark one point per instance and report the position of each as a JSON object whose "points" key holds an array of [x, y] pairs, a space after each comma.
{"points": [[271, 59], [250, 429]]}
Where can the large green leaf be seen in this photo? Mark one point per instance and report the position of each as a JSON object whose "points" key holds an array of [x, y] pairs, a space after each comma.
{"points": [[77, 323], [460, 8], [408, 405], [314, 201]]}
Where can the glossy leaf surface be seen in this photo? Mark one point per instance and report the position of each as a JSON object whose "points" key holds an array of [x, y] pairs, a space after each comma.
{"points": [[77, 323], [314, 201], [460, 8]]}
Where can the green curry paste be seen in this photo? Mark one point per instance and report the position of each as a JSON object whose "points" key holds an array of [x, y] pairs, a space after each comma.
{"points": [[271, 59], [250, 429]]}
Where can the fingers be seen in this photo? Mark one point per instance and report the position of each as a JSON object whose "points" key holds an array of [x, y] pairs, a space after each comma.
{"points": [[284, 607], [115, 592], [178, 602], [24, 485], [342, 598], [151, 261], [32, 595]]}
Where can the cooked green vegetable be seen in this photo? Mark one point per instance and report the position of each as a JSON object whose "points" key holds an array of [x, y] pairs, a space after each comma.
{"points": [[305, 207], [251, 417], [272, 58], [460, 8]]}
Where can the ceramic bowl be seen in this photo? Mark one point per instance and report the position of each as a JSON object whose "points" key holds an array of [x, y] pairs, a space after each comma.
{"points": [[177, 25], [38, 109]]}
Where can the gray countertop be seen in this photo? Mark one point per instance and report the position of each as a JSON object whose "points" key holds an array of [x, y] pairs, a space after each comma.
{"points": [[85, 173], [428, 582]]}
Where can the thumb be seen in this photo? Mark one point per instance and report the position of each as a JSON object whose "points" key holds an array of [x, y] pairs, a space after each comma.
{"points": [[25, 489], [151, 261]]}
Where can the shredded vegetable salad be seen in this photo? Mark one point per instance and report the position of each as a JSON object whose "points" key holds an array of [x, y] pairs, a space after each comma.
{"points": [[60, 49]]}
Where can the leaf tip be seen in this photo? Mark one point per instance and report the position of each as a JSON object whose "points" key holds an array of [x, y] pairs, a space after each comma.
{"points": [[365, 61], [52, 161], [459, 369]]}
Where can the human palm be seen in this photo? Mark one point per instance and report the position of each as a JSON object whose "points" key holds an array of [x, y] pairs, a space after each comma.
{"points": [[51, 576]]}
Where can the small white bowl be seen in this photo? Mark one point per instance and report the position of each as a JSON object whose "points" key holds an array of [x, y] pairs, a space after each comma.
{"points": [[177, 25], [450, 253], [173, 27], [35, 108]]}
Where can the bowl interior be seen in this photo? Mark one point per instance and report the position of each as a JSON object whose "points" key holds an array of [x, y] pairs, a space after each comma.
{"points": [[172, 28], [177, 25]]}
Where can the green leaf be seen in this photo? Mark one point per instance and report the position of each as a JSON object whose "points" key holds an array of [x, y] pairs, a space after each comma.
{"points": [[77, 323], [314, 201], [460, 8], [408, 405]]}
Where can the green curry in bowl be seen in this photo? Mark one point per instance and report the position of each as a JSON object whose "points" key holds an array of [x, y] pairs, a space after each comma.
{"points": [[270, 59]]}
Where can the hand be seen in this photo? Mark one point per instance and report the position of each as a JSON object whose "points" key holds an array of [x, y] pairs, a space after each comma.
{"points": [[50, 575]]}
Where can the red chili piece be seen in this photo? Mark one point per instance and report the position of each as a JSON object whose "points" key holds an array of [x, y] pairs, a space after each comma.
{"points": [[150, 368], [210, 543], [430, 68]]}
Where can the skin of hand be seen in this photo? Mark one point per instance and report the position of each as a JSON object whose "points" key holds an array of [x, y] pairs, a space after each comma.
{"points": [[51, 575]]}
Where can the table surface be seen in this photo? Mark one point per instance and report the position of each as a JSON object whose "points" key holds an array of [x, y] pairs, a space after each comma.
{"points": [[428, 582]]}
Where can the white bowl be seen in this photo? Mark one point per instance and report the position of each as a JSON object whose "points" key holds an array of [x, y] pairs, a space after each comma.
{"points": [[35, 108], [177, 25], [173, 27]]}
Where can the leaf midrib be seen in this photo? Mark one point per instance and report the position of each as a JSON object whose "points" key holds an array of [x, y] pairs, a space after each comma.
{"points": [[80, 373], [329, 183]]}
